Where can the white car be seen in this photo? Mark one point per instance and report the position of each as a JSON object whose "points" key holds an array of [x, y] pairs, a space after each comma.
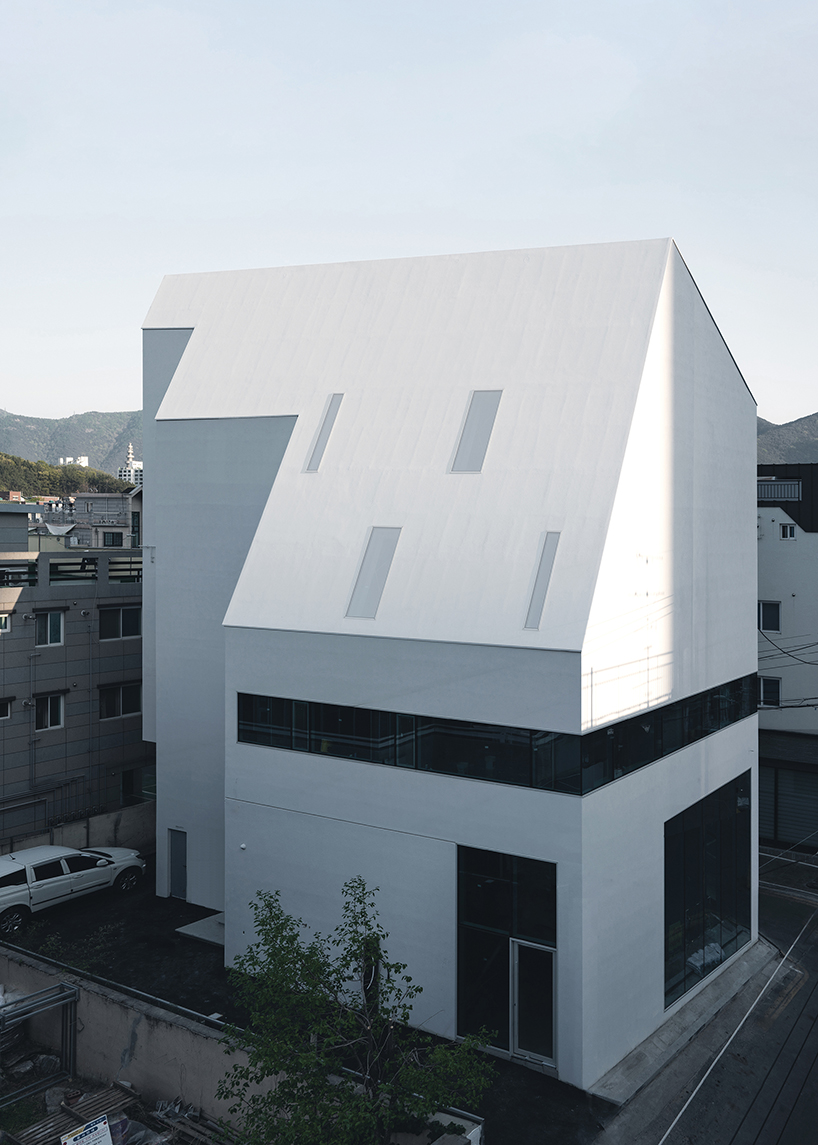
{"points": [[40, 877]]}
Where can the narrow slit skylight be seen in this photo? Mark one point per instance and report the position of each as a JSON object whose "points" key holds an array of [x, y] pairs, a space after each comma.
{"points": [[371, 579], [544, 567], [474, 437], [320, 443]]}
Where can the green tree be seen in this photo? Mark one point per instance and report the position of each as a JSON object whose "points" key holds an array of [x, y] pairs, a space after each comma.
{"points": [[331, 1059]]}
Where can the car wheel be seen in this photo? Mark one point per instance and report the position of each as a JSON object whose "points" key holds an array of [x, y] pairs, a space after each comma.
{"points": [[13, 920], [127, 881]]}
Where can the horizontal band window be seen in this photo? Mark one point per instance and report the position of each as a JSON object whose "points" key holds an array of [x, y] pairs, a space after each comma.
{"points": [[524, 757]]}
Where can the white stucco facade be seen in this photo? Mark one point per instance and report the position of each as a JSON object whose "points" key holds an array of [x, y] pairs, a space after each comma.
{"points": [[569, 580]]}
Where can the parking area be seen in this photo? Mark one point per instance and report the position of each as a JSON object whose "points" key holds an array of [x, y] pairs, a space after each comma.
{"points": [[131, 939]]}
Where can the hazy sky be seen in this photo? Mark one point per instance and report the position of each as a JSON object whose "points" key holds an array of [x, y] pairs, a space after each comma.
{"points": [[140, 139]]}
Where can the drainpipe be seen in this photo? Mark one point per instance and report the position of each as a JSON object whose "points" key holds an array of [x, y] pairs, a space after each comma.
{"points": [[32, 708]]}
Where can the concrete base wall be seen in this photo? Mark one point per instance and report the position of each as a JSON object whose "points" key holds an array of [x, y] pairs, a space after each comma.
{"points": [[161, 1054], [127, 827]]}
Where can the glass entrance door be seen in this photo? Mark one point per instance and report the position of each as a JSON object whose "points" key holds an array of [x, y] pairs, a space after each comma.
{"points": [[532, 999]]}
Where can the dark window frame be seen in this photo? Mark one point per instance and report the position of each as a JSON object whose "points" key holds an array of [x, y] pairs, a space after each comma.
{"points": [[116, 704], [764, 616], [107, 614], [44, 625], [45, 708], [769, 691]]}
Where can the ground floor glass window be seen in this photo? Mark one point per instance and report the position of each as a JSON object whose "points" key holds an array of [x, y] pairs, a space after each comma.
{"points": [[707, 885]]}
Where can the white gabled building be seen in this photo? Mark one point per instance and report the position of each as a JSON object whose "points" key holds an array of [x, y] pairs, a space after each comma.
{"points": [[472, 618]]}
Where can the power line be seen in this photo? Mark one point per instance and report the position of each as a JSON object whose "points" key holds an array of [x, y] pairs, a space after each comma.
{"points": [[784, 652]]}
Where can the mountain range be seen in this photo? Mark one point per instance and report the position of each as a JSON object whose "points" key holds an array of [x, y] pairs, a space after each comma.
{"points": [[101, 437], [104, 438], [794, 441]]}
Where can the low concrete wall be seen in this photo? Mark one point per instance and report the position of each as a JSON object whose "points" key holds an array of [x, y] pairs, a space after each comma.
{"points": [[161, 1054], [127, 827]]}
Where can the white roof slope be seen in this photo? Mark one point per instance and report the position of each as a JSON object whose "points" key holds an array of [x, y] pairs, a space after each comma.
{"points": [[562, 332]]}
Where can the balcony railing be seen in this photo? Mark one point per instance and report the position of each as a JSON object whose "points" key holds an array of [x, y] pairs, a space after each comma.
{"points": [[781, 490], [17, 574], [79, 568], [57, 569], [125, 570]]}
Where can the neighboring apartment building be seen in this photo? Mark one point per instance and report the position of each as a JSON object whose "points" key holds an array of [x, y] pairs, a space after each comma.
{"points": [[94, 520], [464, 625], [73, 758], [788, 654]]}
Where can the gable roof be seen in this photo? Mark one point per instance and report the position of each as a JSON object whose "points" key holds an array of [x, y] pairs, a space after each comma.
{"points": [[562, 332]]}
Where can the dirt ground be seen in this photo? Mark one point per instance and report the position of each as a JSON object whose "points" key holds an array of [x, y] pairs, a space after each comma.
{"points": [[132, 940]]}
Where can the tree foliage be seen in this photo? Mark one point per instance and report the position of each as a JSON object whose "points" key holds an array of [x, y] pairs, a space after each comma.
{"points": [[38, 479], [331, 1059]]}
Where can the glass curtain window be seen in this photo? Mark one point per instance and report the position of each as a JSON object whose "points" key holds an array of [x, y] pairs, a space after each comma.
{"points": [[707, 885], [553, 761], [501, 898]]}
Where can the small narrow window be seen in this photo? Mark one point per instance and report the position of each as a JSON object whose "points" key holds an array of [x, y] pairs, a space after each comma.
{"points": [[788, 532], [48, 712], [769, 615], [5, 622], [474, 437], [5, 709], [120, 700], [320, 443], [769, 692], [48, 628], [371, 579], [116, 623], [546, 563]]}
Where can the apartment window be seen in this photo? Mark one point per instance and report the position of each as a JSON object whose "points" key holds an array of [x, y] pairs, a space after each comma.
{"points": [[769, 615], [5, 709], [136, 534], [89, 506], [48, 712], [707, 885], [112, 540], [120, 700], [788, 532], [116, 623], [769, 692], [49, 628], [5, 622]]}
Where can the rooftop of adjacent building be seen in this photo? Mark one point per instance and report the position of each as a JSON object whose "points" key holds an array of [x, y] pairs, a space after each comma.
{"points": [[793, 488]]}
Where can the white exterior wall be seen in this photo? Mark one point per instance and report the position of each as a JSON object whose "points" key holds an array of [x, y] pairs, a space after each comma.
{"points": [[788, 572], [196, 565], [623, 857], [672, 609]]}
